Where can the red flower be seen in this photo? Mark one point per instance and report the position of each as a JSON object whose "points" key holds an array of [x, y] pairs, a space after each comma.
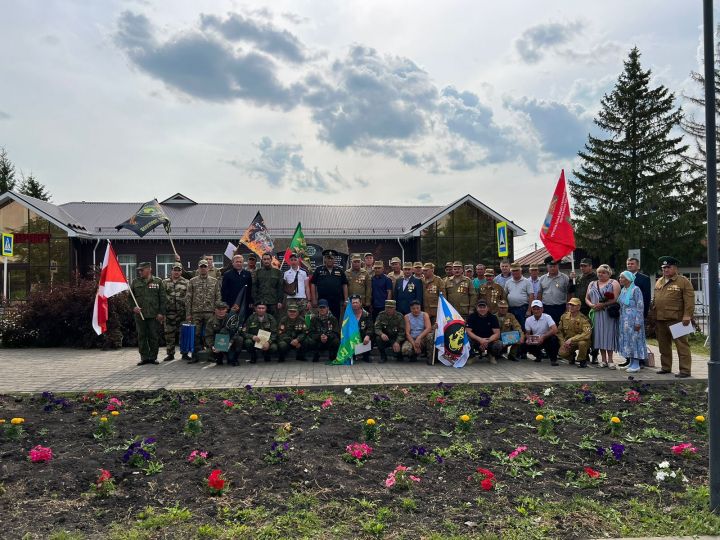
{"points": [[487, 484], [609, 296], [486, 473], [592, 473], [216, 480]]}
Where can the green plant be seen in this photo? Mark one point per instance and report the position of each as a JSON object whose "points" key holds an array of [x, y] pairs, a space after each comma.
{"points": [[153, 467]]}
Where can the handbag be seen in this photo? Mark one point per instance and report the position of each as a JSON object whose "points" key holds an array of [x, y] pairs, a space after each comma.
{"points": [[613, 310], [291, 288]]}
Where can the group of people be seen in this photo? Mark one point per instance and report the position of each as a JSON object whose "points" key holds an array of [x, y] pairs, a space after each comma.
{"points": [[583, 318]]}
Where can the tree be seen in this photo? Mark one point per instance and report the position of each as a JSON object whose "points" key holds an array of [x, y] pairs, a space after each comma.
{"points": [[7, 172], [631, 190], [31, 187]]}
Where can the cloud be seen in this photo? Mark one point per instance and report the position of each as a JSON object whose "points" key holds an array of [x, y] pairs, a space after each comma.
{"points": [[282, 165], [597, 53], [4, 115], [424, 198], [535, 41]]}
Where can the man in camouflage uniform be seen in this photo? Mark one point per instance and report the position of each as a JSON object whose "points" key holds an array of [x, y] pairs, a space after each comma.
{"points": [[448, 271], [324, 333], [176, 288], [369, 263], [574, 333], [268, 286], [418, 270], [223, 323], [469, 272], [433, 286], [509, 323], [390, 331], [587, 276], [292, 333], [365, 325], [212, 271], [149, 313], [396, 272], [359, 283], [491, 292], [260, 320], [460, 292], [203, 293]]}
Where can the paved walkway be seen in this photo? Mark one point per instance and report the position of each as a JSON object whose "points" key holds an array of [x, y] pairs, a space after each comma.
{"points": [[70, 370]]}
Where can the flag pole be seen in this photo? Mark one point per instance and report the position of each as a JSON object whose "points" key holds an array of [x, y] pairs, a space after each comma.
{"points": [[172, 244]]}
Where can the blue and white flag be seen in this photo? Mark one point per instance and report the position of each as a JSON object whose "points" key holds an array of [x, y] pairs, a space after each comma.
{"points": [[451, 340]]}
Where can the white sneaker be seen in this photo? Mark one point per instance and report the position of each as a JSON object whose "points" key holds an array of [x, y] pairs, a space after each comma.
{"points": [[632, 370], [612, 366]]}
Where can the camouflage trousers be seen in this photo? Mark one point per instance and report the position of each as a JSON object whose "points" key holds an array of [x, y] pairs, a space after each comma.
{"points": [[173, 321], [201, 319]]}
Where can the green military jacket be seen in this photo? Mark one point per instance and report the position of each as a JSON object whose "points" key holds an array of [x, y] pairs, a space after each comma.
{"points": [[328, 326], [492, 293], [360, 283], [582, 282], [176, 292], [253, 325], [365, 325], [230, 324], [459, 291], [509, 323], [268, 286], [202, 295], [431, 294], [289, 329], [393, 326], [575, 329], [674, 298], [150, 296]]}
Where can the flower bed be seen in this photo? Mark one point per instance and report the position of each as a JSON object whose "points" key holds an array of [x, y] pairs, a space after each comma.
{"points": [[277, 463]]}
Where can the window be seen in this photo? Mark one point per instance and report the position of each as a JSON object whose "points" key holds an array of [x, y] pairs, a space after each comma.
{"points": [[128, 263], [163, 265]]}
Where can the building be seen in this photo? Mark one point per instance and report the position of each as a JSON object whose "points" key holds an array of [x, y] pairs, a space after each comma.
{"points": [[55, 242]]}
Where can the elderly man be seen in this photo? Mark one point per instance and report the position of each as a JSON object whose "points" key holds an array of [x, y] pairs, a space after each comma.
{"points": [[324, 333], [417, 331], [574, 332], [236, 288], [292, 334], [151, 298], [381, 286], [508, 323], [176, 288], [433, 286], [479, 276], [674, 302], [541, 332], [359, 282], [329, 282], [483, 329], [554, 290], [407, 289], [519, 293], [396, 270], [491, 291], [534, 271], [254, 341], [202, 295], [389, 331], [459, 291], [504, 273]]}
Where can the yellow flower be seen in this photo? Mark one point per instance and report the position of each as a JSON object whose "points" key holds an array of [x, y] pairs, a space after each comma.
{"points": [[115, 413], [700, 419], [94, 413], [370, 422], [539, 418], [103, 419], [194, 417], [615, 420], [2, 420], [465, 418], [17, 421]]}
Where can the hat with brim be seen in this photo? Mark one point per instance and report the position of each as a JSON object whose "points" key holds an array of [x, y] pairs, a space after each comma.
{"points": [[407, 266], [378, 264], [144, 265], [536, 303], [395, 260], [502, 303], [574, 301], [202, 262], [457, 263], [489, 272], [329, 253], [221, 305], [549, 261], [323, 303], [668, 261], [428, 266], [177, 267], [585, 262], [417, 264], [390, 303]]}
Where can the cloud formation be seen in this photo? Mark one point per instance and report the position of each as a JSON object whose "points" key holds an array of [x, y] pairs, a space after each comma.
{"points": [[537, 40]]}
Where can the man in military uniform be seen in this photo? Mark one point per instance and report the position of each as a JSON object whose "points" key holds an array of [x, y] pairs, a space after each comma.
{"points": [[509, 323], [252, 264], [224, 323], [389, 331], [574, 333], [587, 276], [329, 282], [674, 302], [149, 312], [324, 333], [203, 293], [418, 270], [419, 336], [268, 286], [448, 270], [369, 263], [359, 282], [395, 270], [365, 324], [469, 272], [212, 271], [407, 289], [460, 292], [491, 291], [292, 334], [433, 286], [176, 288], [260, 320]]}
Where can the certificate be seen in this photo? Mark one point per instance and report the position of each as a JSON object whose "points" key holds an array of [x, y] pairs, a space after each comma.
{"points": [[222, 342], [264, 336], [679, 330], [361, 348]]}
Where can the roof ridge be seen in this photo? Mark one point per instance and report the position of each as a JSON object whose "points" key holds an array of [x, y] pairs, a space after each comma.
{"points": [[346, 205]]}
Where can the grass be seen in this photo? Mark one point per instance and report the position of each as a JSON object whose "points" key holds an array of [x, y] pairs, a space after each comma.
{"points": [[697, 345]]}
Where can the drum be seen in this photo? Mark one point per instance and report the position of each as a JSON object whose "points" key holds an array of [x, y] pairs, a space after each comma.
{"points": [[187, 338]]}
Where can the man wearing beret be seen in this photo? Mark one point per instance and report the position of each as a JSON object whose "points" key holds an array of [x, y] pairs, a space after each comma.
{"points": [[381, 287], [149, 313], [389, 331], [674, 302], [407, 289], [202, 295], [460, 292], [176, 288]]}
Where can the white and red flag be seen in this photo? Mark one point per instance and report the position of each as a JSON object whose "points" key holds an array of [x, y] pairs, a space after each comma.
{"points": [[112, 281]]}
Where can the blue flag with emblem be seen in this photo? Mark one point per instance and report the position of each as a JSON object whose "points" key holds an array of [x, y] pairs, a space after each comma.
{"points": [[451, 340], [349, 337]]}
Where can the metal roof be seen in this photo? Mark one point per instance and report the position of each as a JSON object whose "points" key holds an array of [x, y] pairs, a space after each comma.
{"points": [[538, 257], [49, 211]]}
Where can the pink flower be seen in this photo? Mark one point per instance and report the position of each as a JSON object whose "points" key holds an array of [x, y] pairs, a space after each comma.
{"points": [[390, 480], [515, 453], [228, 403], [684, 448], [414, 478], [632, 396], [327, 403], [400, 468], [40, 454], [540, 402]]}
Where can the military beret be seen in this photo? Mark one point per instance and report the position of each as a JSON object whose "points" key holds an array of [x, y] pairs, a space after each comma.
{"points": [[457, 263], [177, 266], [469, 267], [323, 303], [221, 305], [482, 302], [534, 267], [329, 253], [368, 255], [202, 262], [407, 265], [417, 264], [574, 301], [395, 260], [664, 261], [429, 266], [292, 307], [502, 303], [515, 267], [448, 264], [586, 260], [489, 272], [356, 257], [390, 303], [144, 265], [378, 264], [550, 261]]}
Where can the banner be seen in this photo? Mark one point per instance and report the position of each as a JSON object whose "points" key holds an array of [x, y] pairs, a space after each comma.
{"points": [[557, 231], [299, 247], [149, 216], [349, 337], [112, 281], [451, 339], [257, 238]]}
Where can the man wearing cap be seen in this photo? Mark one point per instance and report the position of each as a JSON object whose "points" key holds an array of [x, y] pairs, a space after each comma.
{"points": [[574, 333], [587, 276], [418, 270], [504, 273], [407, 289], [212, 271], [296, 284], [483, 329], [292, 333], [252, 264], [459, 291], [202, 295], [674, 302], [417, 332], [432, 287], [324, 333], [389, 331], [448, 271], [491, 291], [176, 288], [396, 271], [236, 288], [554, 290], [260, 320], [479, 278], [224, 323], [365, 324], [369, 263], [381, 289], [469, 272], [329, 283], [508, 323], [541, 333], [359, 282], [268, 286], [519, 294], [149, 312]]}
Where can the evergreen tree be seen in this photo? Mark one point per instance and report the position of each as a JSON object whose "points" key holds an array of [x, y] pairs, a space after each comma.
{"points": [[7, 172], [33, 188], [631, 191]]}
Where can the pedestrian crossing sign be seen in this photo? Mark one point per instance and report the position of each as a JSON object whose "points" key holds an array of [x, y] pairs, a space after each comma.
{"points": [[7, 245], [502, 239]]}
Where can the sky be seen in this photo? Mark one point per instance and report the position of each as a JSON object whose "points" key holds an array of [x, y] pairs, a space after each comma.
{"points": [[350, 102]]}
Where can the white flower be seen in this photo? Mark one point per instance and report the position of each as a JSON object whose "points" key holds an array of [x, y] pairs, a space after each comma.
{"points": [[348, 391], [547, 392], [672, 474], [660, 476], [664, 465], [685, 479]]}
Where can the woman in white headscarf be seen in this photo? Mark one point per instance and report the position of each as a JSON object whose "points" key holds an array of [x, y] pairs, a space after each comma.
{"points": [[631, 342]]}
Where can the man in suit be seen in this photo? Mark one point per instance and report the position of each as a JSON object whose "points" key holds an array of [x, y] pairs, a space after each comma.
{"points": [[642, 281], [406, 289], [233, 282]]}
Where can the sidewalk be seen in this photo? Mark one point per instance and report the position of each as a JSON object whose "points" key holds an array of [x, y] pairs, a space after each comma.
{"points": [[71, 370]]}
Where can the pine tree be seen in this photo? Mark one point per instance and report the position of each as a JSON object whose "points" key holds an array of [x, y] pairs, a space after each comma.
{"points": [[7, 172], [31, 187], [631, 190]]}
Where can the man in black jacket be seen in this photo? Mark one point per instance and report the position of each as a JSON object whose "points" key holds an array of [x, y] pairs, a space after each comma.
{"points": [[406, 289], [233, 282]]}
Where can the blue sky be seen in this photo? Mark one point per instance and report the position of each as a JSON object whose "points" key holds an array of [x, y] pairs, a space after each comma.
{"points": [[328, 102]]}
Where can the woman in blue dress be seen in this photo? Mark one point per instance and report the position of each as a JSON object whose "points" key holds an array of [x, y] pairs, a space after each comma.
{"points": [[631, 342]]}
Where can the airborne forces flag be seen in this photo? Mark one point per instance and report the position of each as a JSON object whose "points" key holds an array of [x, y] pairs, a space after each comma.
{"points": [[149, 216], [451, 339]]}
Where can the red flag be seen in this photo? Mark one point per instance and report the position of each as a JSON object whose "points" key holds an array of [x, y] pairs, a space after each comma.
{"points": [[112, 281], [557, 231]]}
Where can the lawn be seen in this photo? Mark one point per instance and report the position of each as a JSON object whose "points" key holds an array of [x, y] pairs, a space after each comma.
{"points": [[510, 461], [697, 345]]}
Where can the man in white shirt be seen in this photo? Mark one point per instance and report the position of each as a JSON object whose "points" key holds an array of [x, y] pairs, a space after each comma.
{"points": [[296, 278], [541, 333]]}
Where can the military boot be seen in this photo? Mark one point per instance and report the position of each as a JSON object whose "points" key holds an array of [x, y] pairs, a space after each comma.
{"points": [[169, 357]]}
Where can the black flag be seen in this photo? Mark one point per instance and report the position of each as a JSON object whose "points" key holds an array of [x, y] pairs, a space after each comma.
{"points": [[149, 216]]}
